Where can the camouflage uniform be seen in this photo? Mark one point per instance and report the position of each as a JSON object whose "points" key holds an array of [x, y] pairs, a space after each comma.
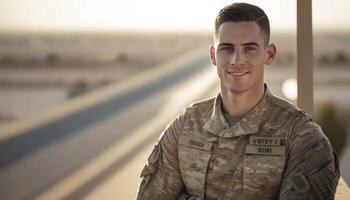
{"points": [[274, 152]]}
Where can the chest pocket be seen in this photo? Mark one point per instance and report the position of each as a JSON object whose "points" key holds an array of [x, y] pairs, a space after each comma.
{"points": [[263, 167], [194, 156]]}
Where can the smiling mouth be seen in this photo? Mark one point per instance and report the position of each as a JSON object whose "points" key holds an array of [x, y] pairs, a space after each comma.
{"points": [[237, 73]]}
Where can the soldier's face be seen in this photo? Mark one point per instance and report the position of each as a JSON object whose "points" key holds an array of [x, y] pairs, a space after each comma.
{"points": [[240, 54]]}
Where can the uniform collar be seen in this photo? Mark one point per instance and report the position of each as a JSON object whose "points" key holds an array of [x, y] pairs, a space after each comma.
{"points": [[249, 124]]}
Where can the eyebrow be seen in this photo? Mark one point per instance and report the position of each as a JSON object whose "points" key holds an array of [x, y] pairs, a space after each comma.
{"points": [[244, 44], [251, 44]]}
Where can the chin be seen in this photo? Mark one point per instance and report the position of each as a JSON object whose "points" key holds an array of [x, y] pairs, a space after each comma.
{"points": [[237, 90], [234, 88]]}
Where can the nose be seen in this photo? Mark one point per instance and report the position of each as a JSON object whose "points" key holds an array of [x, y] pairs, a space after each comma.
{"points": [[236, 58]]}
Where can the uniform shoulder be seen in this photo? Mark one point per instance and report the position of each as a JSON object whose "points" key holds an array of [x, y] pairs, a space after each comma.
{"points": [[201, 106], [305, 127], [287, 107], [309, 130], [308, 133]]}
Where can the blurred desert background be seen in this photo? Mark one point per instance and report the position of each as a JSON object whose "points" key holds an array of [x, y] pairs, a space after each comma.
{"points": [[38, 71], [41, 70], [58, 55]]}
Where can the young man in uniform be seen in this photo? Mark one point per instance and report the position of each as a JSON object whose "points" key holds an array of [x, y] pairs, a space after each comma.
{"points": [[246, 143]]}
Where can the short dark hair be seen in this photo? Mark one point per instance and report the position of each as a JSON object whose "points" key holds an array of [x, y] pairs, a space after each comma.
{"points": [[242, 12]]}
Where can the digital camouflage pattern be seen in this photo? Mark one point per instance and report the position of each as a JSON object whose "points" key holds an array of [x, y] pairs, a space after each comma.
{"points": [[274, 152]]}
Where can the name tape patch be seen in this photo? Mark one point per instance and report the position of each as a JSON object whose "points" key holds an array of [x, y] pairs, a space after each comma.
{"points": [[265, 150], [196, 144], [270, 141]]}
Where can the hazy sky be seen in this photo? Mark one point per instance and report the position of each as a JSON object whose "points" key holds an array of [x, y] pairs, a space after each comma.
{"points": [[155, 14]]}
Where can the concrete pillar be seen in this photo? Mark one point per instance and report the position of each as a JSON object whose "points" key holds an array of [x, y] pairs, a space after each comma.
{"points": [[305, 55]]}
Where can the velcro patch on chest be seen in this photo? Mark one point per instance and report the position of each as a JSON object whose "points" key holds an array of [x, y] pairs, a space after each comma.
{"points": [[265, 150], [270, 141]]}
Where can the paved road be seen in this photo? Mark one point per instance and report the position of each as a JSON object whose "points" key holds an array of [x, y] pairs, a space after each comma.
{"points": [[32, 163]]}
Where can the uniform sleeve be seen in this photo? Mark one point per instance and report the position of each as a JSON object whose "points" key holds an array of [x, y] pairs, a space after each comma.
{"points": [[160, 177], [312, 167]]}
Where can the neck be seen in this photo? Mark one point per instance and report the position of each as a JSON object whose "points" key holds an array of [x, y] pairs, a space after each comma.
{"points": [[239, 103]]}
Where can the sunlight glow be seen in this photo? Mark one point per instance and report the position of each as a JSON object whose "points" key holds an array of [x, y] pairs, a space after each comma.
{"points": [[153, 14], [289, 89]]}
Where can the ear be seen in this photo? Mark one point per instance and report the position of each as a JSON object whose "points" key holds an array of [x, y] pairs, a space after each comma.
{"points": [[270, 53], [212, 54]]}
